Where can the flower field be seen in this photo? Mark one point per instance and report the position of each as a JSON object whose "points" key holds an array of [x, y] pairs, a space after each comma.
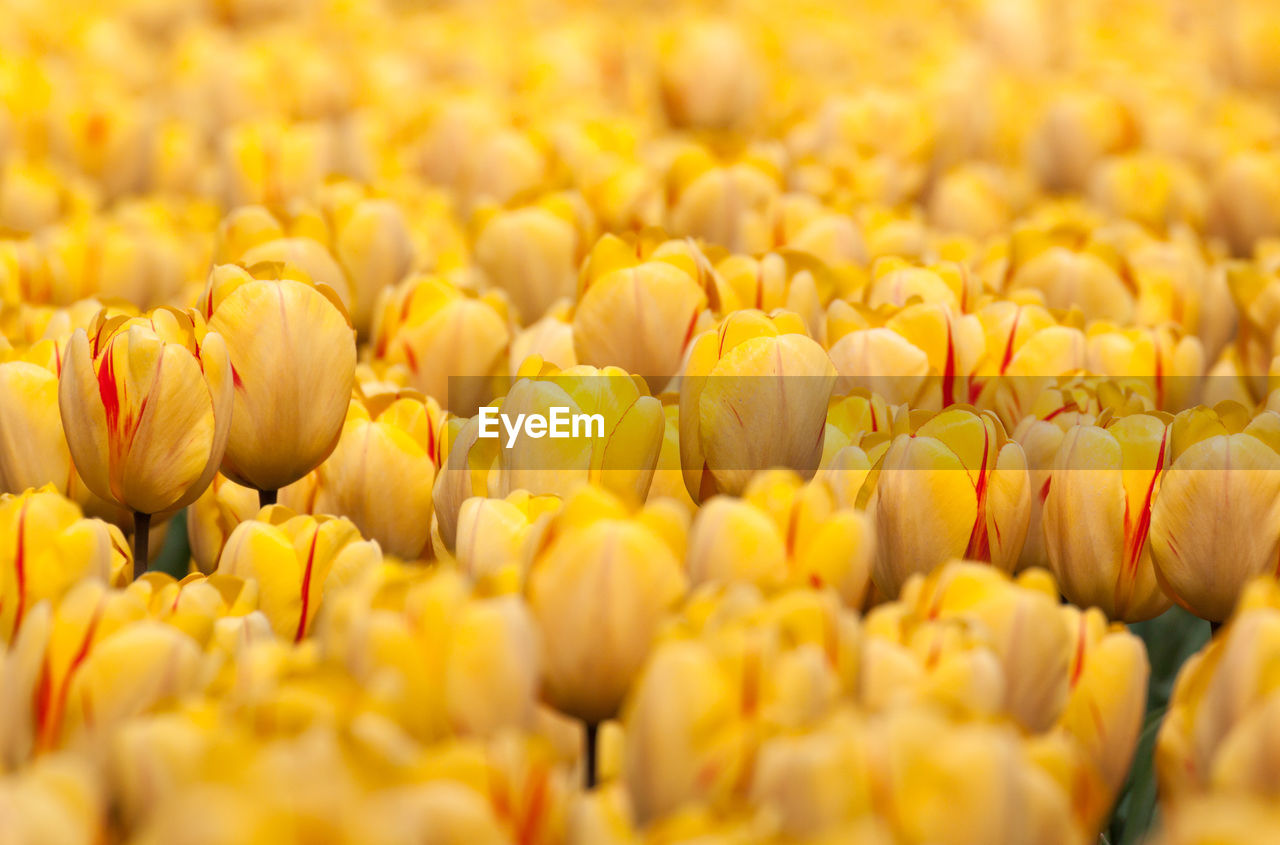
{"points": [[430, 422]]}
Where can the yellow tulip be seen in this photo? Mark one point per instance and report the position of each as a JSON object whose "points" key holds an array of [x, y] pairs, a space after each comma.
{"points": [[1217, 733], [1215, 520], [1171, 362], [781, 533], [293, 356], [685, 740], [1097, 515], [58, 800], [1222, 819], [295, 560], [381, 472], [617, 447], [640, 317], [595, 555], [451, 342], [492, 534], [710, 76], [550, 338], [531, 253], [467, 464], [1157, 191], [212, 517], [146, 404], [33, 445], [753, 396], [1245, 199], [955, 486], [1066, 278], [727, 205], [1078, 129], [47, 549], [372, 241]]}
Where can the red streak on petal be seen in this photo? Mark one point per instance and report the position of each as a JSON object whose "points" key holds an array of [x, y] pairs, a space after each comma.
{"points": [[1159, 378], [1008, 347], [1078, 660], [688, 332], [949, 370], [108, 389], [411, 358], [1137, 538], [306, 587], [529, 824], [49, 715], [235, 378], [979, 541], [20, 567]]}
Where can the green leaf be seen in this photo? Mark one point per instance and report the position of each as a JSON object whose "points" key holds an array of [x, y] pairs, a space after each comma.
{"points": [[175, 557], [1141, 786]]}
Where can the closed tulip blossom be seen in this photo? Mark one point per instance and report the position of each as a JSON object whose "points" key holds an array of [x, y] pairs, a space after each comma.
{"points": [[146, 404], [452, 341], [293, 356], [1097, 514], [46, 548], [295, 559], [753, 396], [1215, 522], [381, 472], [955, 486], [599, 584]]}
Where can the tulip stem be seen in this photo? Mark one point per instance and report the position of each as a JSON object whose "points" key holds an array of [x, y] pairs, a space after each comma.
{"points": [[141, 540], [267, 497], [593, 732]]}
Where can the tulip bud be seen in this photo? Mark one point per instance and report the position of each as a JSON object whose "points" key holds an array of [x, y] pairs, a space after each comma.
{"points": [[616, 447], [727, 206], [710, 77], [550, 338], [46, 548], [780, 533], [373, 243], [1078, 129], [959, 467], [594, 555], [146, 405], [753, 396], [452, 342], [492, 534], [1173, 364], [1069, 279], [212, 517], [295, 560], [532, 254], [293, 355], [33, 446], [381, 472], [1216, 518], [1098, 512], [640, 318], [1245, 203], [466, 461], [685, 738]]}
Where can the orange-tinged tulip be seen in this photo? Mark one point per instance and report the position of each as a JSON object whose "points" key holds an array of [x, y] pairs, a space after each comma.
{"points": [[955, 486], [293, 354], [1097, 515], [146, 404], [295, 560]]}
